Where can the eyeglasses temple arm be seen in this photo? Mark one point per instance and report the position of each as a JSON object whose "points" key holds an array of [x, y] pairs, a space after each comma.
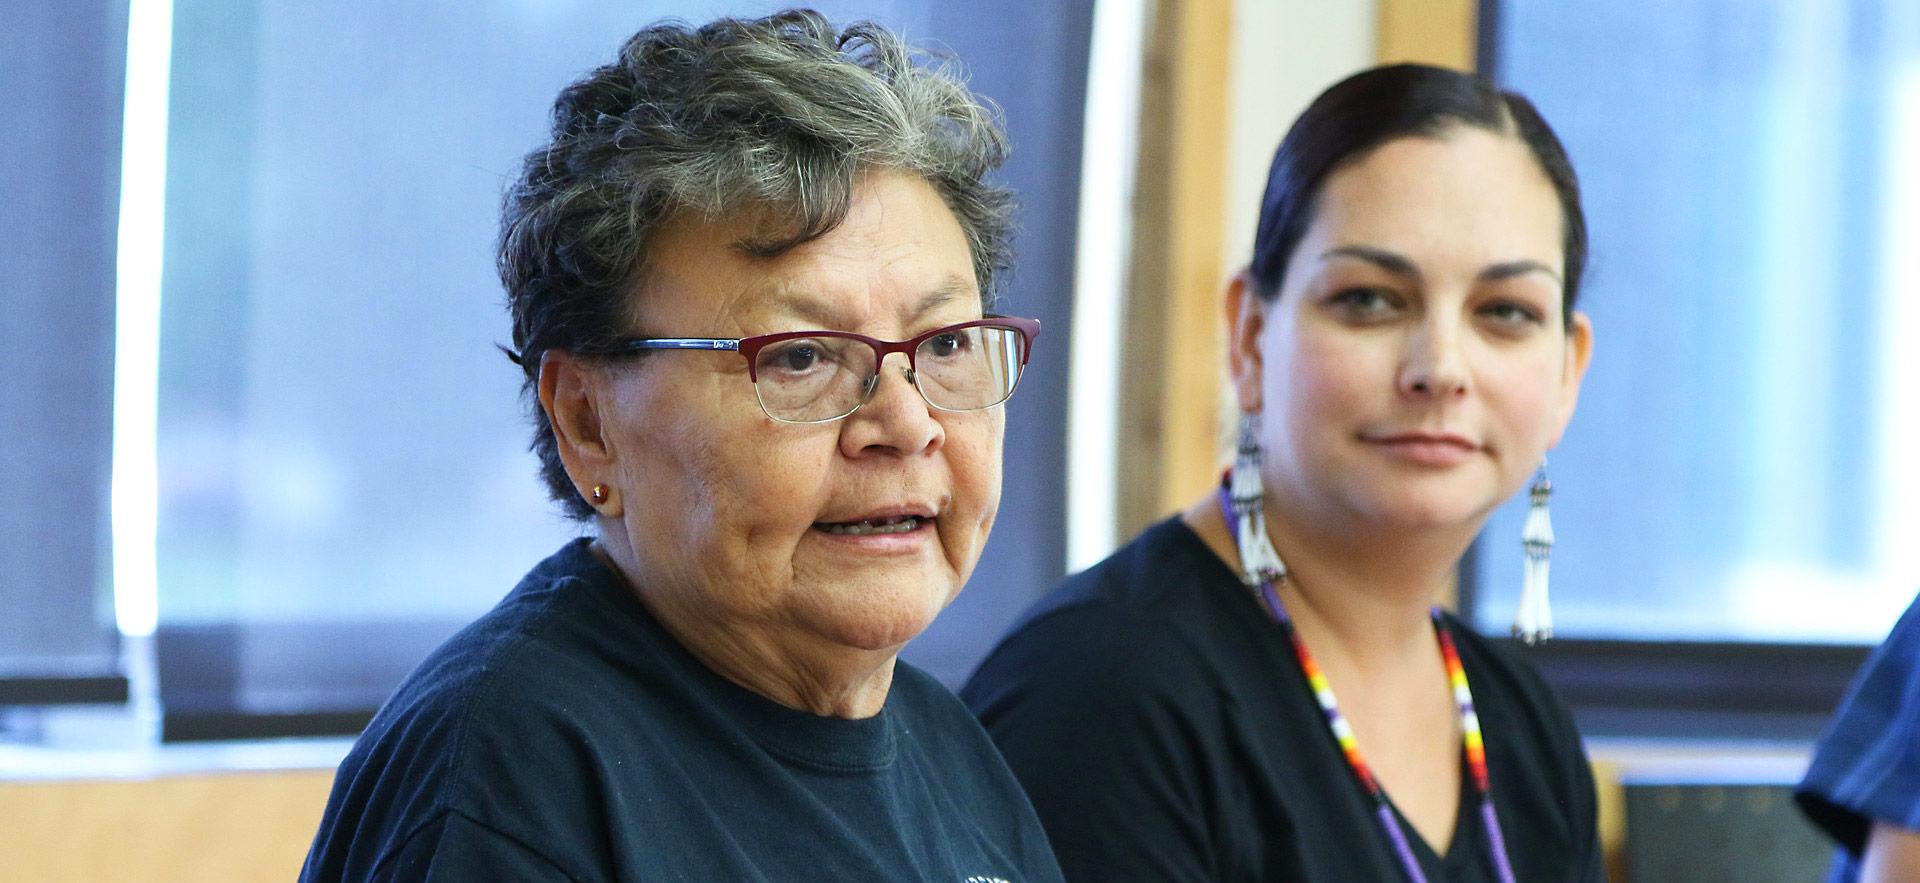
{"points": [[682, 343]]}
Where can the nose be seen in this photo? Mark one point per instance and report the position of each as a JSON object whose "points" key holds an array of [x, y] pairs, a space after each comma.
{"points": [[1434, 365], [895, 418]]}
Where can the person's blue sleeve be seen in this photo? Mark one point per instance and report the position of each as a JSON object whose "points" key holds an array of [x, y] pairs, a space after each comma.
{"points": [[1867, 767]]}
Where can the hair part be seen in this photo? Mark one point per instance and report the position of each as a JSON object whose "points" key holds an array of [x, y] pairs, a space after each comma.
{"points": [[775, 118], [1362, 112]]}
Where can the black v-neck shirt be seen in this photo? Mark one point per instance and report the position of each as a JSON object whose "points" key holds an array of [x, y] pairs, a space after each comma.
{"points": [[567, 736], [1164, 731]]}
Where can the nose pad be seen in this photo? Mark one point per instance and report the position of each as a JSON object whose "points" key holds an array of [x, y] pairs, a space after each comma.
{"points": [[872, 383]]}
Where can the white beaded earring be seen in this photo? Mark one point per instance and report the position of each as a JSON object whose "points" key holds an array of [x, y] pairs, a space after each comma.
{"points": [[1534, 622], [1259, 562]]}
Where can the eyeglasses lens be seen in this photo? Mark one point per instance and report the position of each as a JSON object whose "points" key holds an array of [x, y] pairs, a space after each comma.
{"points": [[816, 379], [811, 379], [969, 368]]}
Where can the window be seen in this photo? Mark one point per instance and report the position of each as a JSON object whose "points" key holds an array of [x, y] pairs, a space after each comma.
{"points": [[1741, 473], [57, 641]]}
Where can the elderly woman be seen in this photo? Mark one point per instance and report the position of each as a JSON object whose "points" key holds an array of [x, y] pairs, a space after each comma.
{"points": [[1261, 688], [747, 277]]}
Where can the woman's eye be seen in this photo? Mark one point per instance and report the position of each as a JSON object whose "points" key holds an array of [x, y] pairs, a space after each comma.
{"points": [[1365, 303], [796, 357], [1513, 314], [799, 358], [944, 345]]}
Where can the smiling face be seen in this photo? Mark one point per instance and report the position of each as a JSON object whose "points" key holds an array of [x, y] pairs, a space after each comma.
{"points": [[763, 533], [1414, 368]]}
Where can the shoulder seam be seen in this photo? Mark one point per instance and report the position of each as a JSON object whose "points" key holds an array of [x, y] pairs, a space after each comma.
{"points": [[530, 848], [388, 855]]}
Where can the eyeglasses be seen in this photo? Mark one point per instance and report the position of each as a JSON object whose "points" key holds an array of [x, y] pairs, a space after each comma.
{"points": [[821, 376]]}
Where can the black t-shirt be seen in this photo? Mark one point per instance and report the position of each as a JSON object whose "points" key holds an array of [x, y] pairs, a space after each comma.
{"points": [[1165, 732], [566, 735]]}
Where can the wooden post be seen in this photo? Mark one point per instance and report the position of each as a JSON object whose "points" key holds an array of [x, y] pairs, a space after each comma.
{"points": [[1437, 32], [1175, 359]]}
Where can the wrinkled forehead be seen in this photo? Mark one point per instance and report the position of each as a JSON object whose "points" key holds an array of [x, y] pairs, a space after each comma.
{"points": [[829, 306], [898, 259]]}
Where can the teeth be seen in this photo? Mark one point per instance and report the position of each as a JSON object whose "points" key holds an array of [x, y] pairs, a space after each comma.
{"points": [[871, 528]]}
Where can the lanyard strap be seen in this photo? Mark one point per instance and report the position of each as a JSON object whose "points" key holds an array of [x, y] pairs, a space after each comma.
{"points": [[1472, 743]]}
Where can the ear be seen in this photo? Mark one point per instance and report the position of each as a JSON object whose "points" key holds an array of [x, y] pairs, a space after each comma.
{"points": [[1573, 371], [570, 394], [1246, 316]]}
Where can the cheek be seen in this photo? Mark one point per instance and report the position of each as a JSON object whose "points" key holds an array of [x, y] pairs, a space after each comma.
{"points": [[777, 481], [1523, 390], [973, 454], [722, 484], [1317, 380], [974, 448]]}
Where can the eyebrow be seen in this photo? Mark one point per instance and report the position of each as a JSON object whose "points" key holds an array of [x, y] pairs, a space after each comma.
{"points": [[1399, 265], [1510, 269]]}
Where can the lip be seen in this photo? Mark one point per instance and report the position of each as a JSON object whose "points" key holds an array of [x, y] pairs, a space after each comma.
{"points": [[886, 543], [901, 510], [1426, 448]]}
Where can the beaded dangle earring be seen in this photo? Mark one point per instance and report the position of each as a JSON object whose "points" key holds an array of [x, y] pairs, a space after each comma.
{"points": [[1534, 622], [1259, 562]]}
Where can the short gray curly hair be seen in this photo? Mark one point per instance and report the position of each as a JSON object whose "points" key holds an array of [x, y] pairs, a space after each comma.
{"points": [[778, 114]]}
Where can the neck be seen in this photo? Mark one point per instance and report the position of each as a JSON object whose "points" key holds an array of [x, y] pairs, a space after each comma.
{"points": [[830, 681], [1361, 594]]}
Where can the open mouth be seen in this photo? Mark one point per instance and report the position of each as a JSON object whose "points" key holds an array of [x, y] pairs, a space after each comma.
{"points": [[873, 527]]}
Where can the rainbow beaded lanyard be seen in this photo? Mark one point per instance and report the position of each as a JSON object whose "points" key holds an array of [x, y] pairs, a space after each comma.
{"points": [[1474, 745]]}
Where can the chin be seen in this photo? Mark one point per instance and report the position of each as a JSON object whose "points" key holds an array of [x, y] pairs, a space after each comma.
{"points": [[880, 633], [884, 619], [1429, 511]]}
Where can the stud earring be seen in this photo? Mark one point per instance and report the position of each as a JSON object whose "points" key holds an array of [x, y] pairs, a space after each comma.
{"points": [[1534, 621], [598, 494], [1259, 562]]}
